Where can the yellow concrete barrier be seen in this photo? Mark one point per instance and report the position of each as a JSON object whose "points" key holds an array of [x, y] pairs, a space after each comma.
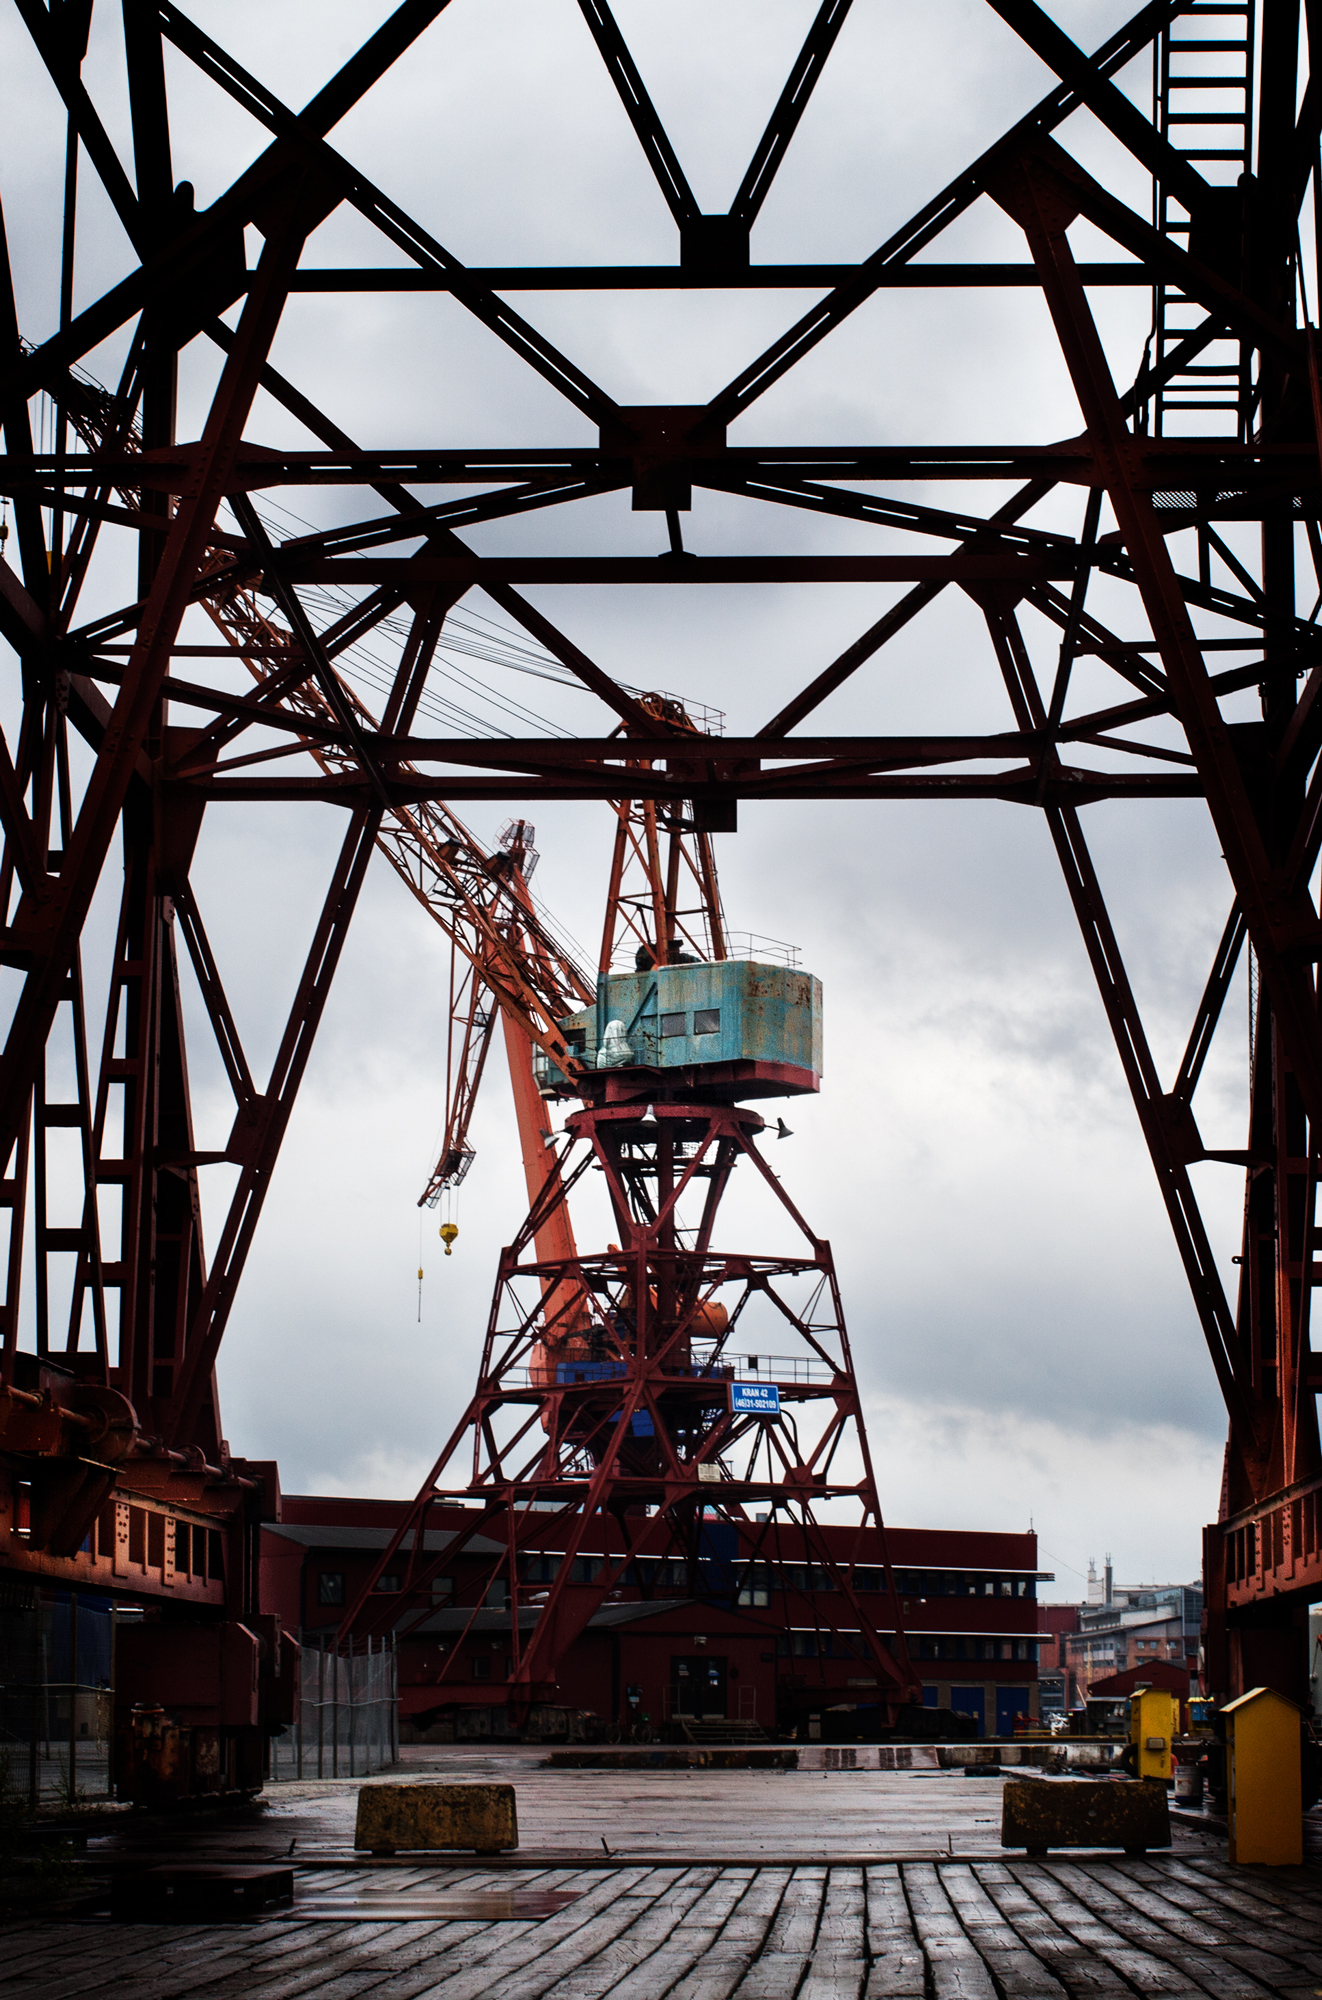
{"points": [[391, 1817]]}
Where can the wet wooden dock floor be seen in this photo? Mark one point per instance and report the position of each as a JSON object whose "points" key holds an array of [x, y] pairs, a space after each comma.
{"points": [[978, 1924]]}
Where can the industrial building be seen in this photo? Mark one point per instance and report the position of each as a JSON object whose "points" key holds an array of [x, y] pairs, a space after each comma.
{"points": [[1141, 1626], [743, 1650]]}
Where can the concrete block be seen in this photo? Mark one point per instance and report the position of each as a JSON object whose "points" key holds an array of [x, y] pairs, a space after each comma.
{"points": [[1085, 1812], [408, 1816]]}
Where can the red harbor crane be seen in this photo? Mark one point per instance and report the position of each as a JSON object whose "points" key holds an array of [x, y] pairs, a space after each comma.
{"points": [[664, 1398]]}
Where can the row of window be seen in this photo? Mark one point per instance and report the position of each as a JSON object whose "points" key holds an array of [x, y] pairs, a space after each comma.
{"points": [[706, 1021], [949, 1583], [976, 1649], [758, 1580], [818, 1646]]}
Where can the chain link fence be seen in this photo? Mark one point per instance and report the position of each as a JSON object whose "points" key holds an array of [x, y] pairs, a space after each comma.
{"points": [[57, 1672], [348, 1723]]}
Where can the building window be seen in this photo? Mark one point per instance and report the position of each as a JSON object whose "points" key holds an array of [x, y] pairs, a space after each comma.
{"points": [[330, 1587], [707, 1021], [392, 1580], [585, 1569], [671, 1025], [441, 1588], [756, 1597], [481, 1667]]}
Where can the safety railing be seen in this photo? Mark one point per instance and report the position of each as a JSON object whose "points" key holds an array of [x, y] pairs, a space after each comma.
{"points": [[778, 1370]]}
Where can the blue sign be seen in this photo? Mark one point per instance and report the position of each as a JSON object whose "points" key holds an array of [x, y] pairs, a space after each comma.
{"points": [[761, 1399]]}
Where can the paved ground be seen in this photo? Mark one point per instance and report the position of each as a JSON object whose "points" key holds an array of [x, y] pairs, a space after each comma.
{"points": [[704, 1815], [675, 1913]]}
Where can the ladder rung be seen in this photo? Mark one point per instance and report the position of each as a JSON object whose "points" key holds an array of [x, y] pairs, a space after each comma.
{"points": [[1207, 83], [1207, 118]]}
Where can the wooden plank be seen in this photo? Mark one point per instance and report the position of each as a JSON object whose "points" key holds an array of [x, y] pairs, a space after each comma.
{"points": [[1249, 1956], [957, 1972], [1101, 1945], [831, 1978], [716, 1976], [531, 1967], [1142, 1952], [898, 1967], [756, 1910], [1016, 1969], [842, 1932], [776, 1975], [161, 1960], [689, 1939], [1078, 1968], [1296, 1911], [794, 1932]]}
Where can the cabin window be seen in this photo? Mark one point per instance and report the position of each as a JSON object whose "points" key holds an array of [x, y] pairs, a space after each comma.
{"points": [[707, 1021], [671, 1025], [330, 1587]]}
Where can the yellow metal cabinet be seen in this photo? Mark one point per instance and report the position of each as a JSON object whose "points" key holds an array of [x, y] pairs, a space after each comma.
{"points": [[1263, 1770], [1154, 1719]]}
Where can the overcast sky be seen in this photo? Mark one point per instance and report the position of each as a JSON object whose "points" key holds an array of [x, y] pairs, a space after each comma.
{"points": [[1022, 1330]]}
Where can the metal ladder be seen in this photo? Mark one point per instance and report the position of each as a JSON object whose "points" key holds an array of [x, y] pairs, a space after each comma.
{"points": [[1203, 106]]}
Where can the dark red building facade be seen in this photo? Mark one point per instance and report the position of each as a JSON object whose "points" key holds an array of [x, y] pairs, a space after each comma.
{"points": [[736, 1648]]}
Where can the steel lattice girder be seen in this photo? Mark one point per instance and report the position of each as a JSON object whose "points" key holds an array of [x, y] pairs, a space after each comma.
{"points": [[1237, 265]]}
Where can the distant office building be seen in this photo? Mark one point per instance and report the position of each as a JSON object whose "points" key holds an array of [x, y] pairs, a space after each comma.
{"points": [[1055, 1624], [1138, 1626]]}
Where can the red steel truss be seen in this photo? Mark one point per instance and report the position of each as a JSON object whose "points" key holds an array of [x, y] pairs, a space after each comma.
{"points": [[1197, 498], [618, 1425]]}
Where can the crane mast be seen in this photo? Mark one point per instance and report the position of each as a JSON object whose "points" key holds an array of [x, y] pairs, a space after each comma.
{"points": [[615, 1417]]}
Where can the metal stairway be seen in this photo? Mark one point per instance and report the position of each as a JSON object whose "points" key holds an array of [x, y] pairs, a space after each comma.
{"points": [[709, 1731], [1203, 71]]}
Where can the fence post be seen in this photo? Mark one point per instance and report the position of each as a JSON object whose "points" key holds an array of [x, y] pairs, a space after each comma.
{"points": [[393, 1686], [335, 1709], [34, 1779], [352, 1772], [71, 1790], [110, 1725], [298, 1727]]}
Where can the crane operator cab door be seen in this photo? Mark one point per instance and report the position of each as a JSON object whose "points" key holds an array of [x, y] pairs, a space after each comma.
{"points": [[698, 1686]]}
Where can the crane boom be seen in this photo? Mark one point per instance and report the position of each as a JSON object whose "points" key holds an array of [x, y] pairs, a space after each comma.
{"points": [[478, 898]]}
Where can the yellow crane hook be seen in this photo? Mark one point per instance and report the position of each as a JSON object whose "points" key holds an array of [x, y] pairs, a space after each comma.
{"points": [[447, 1232]]}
